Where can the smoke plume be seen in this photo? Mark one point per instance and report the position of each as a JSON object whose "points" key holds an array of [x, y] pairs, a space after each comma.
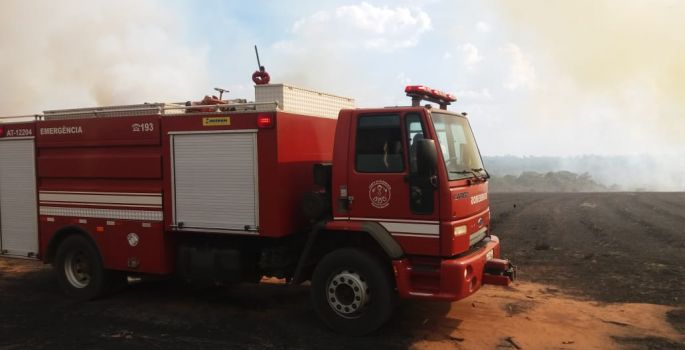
{"points": [[67, 54], [627, 53]]}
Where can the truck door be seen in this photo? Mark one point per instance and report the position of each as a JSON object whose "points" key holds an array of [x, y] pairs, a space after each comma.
{"points": [[18, 213], [383, 183]]}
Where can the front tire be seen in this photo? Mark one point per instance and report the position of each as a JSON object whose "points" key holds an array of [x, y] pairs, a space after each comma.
{"points": [[80, 270], [353, 291]]}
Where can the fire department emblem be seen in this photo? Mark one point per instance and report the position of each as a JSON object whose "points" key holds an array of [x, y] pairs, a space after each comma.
{"points": [[379, 193], [133, 239]]}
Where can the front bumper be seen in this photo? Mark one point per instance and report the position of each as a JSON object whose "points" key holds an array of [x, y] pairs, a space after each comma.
{"points": [[455, 278]]}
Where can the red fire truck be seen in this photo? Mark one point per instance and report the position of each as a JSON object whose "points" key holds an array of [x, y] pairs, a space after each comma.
{"points": [[367, 204]]}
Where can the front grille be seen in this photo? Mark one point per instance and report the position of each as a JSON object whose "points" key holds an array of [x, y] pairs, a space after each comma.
{"points": [[478, 236]]}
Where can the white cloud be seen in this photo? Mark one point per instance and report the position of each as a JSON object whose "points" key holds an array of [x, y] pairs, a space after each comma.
{"points": [[471, 55], [403, 78], [475, 95], [483, 27], [521, 70], [363, 25]]}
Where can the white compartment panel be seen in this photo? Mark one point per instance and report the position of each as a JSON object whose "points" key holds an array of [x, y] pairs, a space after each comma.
{"points": [[215, 181], [18, 210], [302, 101]]}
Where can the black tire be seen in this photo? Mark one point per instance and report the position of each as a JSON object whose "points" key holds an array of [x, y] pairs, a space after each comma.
{"points": [[80, 270], [352, 266]]}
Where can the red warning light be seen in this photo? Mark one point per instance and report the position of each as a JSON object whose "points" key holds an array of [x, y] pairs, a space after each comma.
{"points": [[265, 121], [431, 94]]}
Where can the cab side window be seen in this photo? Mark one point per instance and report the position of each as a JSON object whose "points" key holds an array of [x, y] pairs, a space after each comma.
{"points": [[379, 144], [414, 134], [420, 189]]}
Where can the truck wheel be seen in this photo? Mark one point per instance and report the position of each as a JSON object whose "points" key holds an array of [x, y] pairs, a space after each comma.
{"points": [[352, 292], [79, 269]]}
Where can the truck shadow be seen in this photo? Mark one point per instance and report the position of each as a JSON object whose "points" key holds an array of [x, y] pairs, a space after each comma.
{"points": [[280, 315], [171, 316]]}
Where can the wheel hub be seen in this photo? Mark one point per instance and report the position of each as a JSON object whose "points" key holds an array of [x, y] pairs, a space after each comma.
{"points": [[77, 269], [348, 293]]}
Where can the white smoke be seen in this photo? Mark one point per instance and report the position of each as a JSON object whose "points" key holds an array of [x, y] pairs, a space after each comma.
{"points": [[616, 66], [67, 54]]}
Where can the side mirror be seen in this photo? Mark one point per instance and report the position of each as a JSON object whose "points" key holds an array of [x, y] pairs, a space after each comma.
{"points": [[426, 157]]}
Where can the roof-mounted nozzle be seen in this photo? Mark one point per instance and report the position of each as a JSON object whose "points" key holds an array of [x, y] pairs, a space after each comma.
{"points": [[420, 93], [221, 92]]}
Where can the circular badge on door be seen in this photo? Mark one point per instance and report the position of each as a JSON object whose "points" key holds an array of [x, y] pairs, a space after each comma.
{"points": [[379, 194], [132, 239]]}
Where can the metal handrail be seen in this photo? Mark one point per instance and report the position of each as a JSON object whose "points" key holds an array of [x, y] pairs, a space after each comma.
{"points": [[249, 104], [34, 116], [100, 111], [159, 108]]}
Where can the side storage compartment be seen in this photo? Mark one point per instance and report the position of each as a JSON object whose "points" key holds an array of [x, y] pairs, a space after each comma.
{"points": [[215, 181], [18, 213]]}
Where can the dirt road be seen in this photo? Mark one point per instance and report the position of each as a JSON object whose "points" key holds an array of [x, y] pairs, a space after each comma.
{"points": [[597, 271]]}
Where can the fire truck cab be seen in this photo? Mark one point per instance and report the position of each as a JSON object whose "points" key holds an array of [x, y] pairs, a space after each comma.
{"points": [[368, 204]]}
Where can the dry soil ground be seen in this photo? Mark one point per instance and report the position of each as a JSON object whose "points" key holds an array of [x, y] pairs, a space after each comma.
{"points": [[597, 271]]}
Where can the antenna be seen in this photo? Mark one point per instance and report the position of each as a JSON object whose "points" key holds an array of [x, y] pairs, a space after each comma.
{"points": [[259, 65]]}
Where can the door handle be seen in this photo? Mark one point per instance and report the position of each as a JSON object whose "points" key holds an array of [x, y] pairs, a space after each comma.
{"points": [[344, 203]]}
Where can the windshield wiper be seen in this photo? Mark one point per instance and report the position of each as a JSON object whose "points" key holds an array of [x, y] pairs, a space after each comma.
{"points": [[464, 172], [487, 175], [475, 172]]}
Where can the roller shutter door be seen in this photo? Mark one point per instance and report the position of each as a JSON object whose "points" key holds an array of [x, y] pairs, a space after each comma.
{"points": [[215, 181], [18, 214]]}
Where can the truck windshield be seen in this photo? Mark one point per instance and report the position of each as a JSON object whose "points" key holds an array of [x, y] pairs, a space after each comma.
{"points": [[458, 146]]}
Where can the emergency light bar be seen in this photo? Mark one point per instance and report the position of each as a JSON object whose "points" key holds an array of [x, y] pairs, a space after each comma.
{"points": [[421, 92]]}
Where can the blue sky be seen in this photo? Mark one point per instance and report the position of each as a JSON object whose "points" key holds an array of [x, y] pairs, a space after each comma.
{"points": [[536, 77]]}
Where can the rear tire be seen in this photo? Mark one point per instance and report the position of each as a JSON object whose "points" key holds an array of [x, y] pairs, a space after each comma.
{"points": [[353, 291], [80, 271]]}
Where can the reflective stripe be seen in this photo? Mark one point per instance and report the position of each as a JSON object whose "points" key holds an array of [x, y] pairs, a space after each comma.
{"points": [[123, 214], [112, 193], [428, 229], [50, 203], [393, 220], [415, 235], [145, 199]]}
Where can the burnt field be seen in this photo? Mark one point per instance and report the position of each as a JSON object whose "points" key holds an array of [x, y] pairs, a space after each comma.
{"points": [[596, 270], [614, 247]]}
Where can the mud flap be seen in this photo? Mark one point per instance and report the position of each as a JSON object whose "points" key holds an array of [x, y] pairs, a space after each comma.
{"points": [[499, 272]]}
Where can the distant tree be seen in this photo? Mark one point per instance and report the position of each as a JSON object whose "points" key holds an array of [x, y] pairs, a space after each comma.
{"points": [[552, 181]]}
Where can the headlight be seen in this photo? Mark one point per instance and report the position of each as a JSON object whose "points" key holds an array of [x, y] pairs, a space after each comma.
{"points": [[490, 255], [460, 230]]}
